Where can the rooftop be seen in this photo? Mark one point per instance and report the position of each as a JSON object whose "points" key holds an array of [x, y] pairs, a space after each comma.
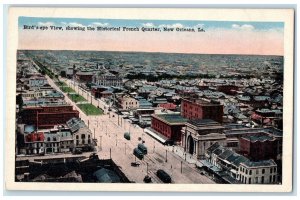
{"points": [[172, 118], [255, 138], [263, 163], [203, 122]]}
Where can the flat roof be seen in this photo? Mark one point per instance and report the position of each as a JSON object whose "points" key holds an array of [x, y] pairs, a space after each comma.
{"points": [[171, 118], [262, 163]]}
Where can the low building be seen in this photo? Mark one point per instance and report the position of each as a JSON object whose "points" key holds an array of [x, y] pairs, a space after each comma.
{"points": [[82, 135], [232, 167], [198, 135], [107, 80], [128, 103], [260, 172], [260, 136], [169, 125], [84, 77], [34, 143], [259, 146], [37, 81]]}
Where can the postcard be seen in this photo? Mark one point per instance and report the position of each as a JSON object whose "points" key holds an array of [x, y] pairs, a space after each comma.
{"points": [[144, 99]]}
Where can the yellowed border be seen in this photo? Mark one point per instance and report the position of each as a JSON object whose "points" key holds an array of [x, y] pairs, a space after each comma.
{"points": [[272, 15]]}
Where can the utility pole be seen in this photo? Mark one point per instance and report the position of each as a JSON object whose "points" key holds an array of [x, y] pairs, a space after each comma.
{"points": [[100, 142], [125, 148], [166, 155], [181, 166], [147, 168], [116, 140]]}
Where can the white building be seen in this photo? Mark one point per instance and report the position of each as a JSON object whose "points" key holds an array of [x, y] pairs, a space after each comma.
{"points": [[261, 172]]}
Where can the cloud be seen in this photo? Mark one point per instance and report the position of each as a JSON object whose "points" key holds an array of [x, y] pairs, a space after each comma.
{"points": [[75, 24], [199, 26], [149, 24], [246, 27], [46, 23], [176, 25], [100, 24]]}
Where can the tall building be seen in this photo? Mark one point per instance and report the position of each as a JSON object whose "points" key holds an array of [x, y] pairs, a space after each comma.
{"points": [[200, 109]]}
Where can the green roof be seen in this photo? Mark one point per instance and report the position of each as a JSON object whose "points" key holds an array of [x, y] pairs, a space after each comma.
{"points": [[172, 118]]}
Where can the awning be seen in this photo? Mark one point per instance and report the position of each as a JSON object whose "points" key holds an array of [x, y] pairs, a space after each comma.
{"points": [[209, 165], [155, 135]]}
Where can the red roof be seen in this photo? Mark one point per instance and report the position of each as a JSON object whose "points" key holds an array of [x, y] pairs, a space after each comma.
{"points": [[169, 106], [35, 137]]}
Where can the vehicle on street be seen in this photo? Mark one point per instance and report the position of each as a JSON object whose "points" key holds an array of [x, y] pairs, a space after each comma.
{"points": [[162, 175], [147, 179], [135, 164], [138, 154], [142, 148], [127, 136]]}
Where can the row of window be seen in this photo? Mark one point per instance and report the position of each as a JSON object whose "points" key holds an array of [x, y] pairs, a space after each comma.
{"points": [[262, 180], [246, 171]]}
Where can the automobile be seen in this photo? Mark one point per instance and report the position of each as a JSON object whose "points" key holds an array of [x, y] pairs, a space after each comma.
{"points": [[162, 175], [147, 179], [135, 164]]}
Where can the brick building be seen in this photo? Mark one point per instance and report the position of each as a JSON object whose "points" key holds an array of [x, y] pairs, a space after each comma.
{"points": [[84, 77], [169, 125], [48, 116], [200, 109], [259, 147]]}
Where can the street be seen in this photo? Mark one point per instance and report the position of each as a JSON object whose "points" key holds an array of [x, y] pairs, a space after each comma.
{"points": [[109, 131]]}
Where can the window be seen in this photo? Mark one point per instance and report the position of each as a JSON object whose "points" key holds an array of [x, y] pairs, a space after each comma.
{"points": [[249, 181], [246, 171], [262, 179], [274, 178], [250, 172], [48, 139], [274, 169], [271, 170], [257, 172], [263, 171], [270, 179]]}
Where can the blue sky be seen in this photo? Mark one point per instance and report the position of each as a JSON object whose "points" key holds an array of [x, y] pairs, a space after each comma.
{"points": [[139, 23]]}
